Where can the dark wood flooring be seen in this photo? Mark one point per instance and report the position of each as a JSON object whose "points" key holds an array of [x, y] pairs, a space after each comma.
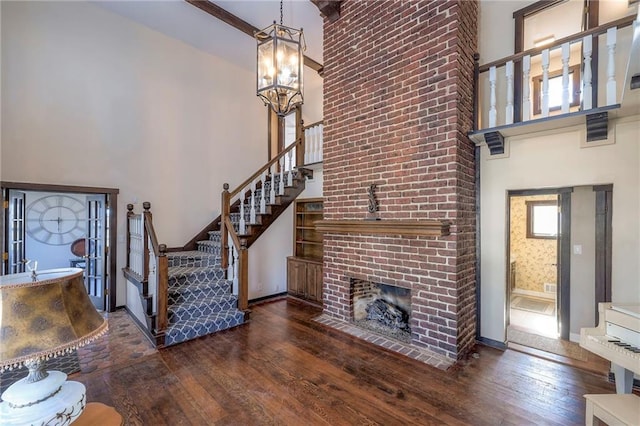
{"points": [[282, 368]]}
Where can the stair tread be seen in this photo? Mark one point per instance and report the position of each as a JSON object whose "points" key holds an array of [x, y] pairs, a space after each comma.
{"points": [[207, 318], [177, 271], [190, 253], [198, 286], [205, 301]]}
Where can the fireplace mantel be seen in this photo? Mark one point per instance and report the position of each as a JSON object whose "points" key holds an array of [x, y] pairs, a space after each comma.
{"points": [[429, 228]]}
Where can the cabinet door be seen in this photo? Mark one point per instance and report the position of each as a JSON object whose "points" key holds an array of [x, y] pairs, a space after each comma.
{"points": [[314, 282], [296, 277]]}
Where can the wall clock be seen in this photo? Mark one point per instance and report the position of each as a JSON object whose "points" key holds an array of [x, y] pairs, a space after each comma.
{"points": [[56, 219]]}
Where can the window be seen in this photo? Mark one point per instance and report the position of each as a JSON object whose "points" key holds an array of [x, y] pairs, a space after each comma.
{"points": [[555, 90], [542, 219]]}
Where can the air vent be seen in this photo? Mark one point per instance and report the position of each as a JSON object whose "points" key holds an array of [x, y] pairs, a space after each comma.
{"points": [[635, 82], [549, 288]]}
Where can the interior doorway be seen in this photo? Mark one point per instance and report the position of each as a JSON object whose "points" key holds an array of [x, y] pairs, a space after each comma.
{"points": [[559, 265], [533, 264], [60, 227]]}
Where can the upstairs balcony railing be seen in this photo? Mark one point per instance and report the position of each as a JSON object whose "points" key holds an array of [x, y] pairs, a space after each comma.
{"points": [[581, 72]]}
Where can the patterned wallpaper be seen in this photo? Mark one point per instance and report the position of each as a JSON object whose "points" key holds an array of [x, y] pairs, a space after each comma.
{"points": [[534, 258]]}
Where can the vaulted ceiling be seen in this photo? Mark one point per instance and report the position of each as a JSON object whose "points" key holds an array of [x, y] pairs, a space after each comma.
{"points": [[181, 20]]}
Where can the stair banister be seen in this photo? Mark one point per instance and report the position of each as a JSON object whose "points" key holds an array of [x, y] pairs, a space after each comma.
{"points": [[228, 231], [162, 269], [242, 267]]}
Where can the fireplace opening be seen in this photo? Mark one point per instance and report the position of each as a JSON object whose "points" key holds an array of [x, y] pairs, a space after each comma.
{"points": [[382, 308]]}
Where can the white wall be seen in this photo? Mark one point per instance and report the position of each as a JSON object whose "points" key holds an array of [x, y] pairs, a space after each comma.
{"points": [[583, 254], [91, 98], [557, 160]]}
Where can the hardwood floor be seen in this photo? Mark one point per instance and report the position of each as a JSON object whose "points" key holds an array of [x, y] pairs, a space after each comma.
{"points": [[285, 369]]}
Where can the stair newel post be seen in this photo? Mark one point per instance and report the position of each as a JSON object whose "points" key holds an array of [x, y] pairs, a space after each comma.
{"points": [[252, 212], [272, 187], [146, 215], [224, 238], [290, 172], [130, 214], [242, 275], [281, 182], [162, 275], [263, 195]]}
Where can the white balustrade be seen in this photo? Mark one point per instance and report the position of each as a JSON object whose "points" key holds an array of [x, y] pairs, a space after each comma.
{"points": [[235, 269], [136, 244], [611, 66], [526, 88], [545, 83], [546, 95], [509, 108], [313, 144], [492, 97], [565, 78], [587, 93]]}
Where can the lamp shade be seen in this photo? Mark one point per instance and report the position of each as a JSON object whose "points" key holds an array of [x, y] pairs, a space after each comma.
{"points": [[280, 65], [45, 314]]}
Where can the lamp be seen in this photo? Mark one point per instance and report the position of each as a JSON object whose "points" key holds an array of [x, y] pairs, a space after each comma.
{"points": [[280, 66], [42, 315]]}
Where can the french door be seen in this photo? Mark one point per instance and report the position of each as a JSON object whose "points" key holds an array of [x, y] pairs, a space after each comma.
{"points": [[15, 232], [94, 274]]}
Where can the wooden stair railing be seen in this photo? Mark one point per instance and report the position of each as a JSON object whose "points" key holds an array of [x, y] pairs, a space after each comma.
{"points": [[148, 268], [281, 165]]}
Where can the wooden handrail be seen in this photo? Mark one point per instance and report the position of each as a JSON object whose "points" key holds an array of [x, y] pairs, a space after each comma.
{"points": [[601, 29], [253, 177], [312, 125]]}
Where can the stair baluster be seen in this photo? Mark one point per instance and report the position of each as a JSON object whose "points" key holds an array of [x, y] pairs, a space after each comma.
{"points": [[263, 195], [290, 170], [230, 268], [281, 181], [242, 226], [272, 186], [252, 211]]}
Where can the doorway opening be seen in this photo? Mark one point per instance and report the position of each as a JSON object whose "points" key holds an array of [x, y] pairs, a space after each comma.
{"points": [[60, 227], [533, 266]]}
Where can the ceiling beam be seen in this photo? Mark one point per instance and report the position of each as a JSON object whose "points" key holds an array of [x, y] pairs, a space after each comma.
{"points": [[239, 24], [330, 9]]}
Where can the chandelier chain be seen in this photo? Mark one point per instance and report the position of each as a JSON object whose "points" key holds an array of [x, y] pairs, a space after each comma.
{"points": [[280, 12]]}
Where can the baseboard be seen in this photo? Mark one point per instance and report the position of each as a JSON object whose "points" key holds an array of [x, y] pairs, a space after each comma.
{"points": [[538, 294], [492, 343], [574, 337], [270, 298]]}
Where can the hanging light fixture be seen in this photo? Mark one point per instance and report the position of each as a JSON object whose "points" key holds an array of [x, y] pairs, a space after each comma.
{"points": [[279, 66]]}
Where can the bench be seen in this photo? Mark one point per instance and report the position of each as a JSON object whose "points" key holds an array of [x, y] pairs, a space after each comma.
{"points": [[613, 409]]}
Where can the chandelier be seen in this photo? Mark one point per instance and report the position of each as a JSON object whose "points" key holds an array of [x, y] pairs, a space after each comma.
{"points": [[279, 66]]}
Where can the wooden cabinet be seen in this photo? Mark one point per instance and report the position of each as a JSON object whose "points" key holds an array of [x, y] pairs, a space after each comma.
{"points": [[304, 268]]}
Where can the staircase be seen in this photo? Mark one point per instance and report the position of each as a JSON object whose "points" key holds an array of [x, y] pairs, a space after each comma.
{"points": [[200, 298]]}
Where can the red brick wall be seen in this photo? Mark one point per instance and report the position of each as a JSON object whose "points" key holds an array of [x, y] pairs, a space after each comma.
{"points": [[397, 107]]}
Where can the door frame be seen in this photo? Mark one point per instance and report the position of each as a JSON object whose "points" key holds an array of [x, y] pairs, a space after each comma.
{"points": [[111, 195], [563, 253]]}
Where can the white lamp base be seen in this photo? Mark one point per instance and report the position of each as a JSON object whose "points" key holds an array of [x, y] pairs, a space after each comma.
{"points": [[50, 401]]}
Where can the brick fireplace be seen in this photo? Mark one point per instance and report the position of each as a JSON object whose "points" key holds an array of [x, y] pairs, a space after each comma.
{"points": [[397, 108]]}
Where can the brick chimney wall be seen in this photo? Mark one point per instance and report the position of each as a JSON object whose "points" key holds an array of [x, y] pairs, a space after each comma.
{"points": [[398, 102]]}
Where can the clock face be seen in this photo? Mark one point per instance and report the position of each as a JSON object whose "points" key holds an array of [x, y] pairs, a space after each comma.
{"points": [[56, 219]]}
